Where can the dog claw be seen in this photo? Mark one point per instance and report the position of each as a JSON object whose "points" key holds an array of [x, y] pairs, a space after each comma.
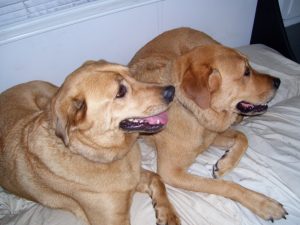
{"points": [[215, 169], [285, 213], [272, 220], [284, 217], [225, 154]]}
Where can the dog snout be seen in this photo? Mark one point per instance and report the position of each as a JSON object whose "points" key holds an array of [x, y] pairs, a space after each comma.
{"points": [[276, 83], [168, 93]]}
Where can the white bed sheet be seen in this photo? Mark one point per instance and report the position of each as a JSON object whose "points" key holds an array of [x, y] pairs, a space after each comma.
{"points": [[271, 165]]}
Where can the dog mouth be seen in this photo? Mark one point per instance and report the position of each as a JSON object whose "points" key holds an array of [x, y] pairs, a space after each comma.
{"points": [[151, 124], [247, 108]]}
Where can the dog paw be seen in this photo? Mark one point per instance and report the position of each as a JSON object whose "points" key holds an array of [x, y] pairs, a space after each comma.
{"points": [[166, 216], [222, 166], [271, 210]]}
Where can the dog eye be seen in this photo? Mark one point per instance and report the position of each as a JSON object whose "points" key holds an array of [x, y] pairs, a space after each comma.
{"points": [[122, 91], [247, 72]]}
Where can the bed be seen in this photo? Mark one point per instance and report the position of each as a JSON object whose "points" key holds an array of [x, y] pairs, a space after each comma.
{"points": [[271, 165]]}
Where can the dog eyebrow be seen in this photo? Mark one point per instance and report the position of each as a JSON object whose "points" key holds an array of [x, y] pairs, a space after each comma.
{"points": [[119, 78], [247, 62]]}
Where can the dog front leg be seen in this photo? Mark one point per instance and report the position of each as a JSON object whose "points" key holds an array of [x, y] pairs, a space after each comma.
{"points": [[263, 206], [151, 184], [235, 143]]}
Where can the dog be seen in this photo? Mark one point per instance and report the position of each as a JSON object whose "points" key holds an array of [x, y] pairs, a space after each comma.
{"points": [[215, 87], [74, 147]]}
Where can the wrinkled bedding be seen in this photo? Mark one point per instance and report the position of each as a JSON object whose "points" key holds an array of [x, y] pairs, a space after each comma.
{"points": [[271, 165]]}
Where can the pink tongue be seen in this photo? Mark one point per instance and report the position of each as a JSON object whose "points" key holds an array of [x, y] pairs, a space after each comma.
{"points": [[161, 118], [246, 104]]}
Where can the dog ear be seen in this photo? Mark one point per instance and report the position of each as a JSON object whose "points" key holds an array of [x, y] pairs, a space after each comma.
{"points": [[199, 82], [90, 62], [214, 80], [67, 112]]}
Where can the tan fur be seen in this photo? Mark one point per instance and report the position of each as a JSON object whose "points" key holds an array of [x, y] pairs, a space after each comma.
{"points": [[62, 147], [210, 80]]}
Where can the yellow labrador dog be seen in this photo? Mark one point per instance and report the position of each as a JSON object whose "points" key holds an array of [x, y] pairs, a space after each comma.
{"points": [[214, 86], [74, 147]]}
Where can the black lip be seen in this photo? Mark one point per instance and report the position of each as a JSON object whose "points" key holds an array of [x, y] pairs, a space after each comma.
{"points": [[130, 126]]}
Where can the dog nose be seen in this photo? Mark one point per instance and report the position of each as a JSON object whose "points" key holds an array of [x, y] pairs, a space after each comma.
{"points": [[276, 83], [169, 93]]}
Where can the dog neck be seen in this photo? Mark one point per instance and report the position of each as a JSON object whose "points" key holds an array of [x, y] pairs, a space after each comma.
{"points": [[107, 148]]}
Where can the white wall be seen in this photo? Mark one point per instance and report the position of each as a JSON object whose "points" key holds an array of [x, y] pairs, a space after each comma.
{"points": [[290, 11], [229, 21], [116, 36]]}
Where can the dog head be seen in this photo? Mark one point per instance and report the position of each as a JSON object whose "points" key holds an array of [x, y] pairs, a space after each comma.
{"points": [[99, 104], [221, 78]]}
